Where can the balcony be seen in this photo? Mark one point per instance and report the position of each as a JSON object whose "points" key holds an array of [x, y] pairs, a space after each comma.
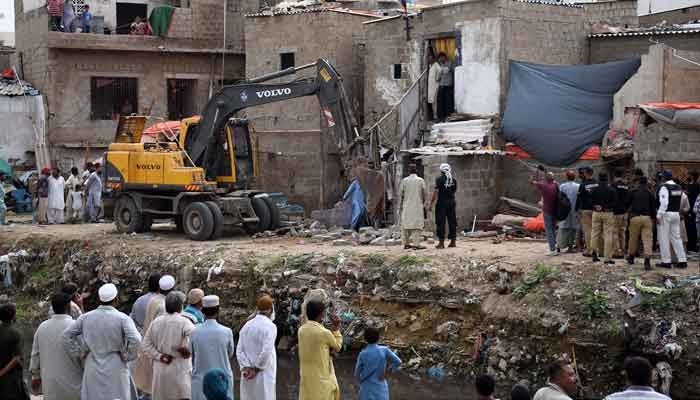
{"points": [[90, 41]]}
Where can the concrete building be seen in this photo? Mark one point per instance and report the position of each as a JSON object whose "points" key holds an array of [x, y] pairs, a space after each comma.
{"points": [[87, 79], [290, 132], [486, 35], [664, 76]]}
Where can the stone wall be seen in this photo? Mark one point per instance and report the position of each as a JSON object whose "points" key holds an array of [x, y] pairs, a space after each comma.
{"points": [[662, 142], [290, 162], [614, 12], [479, 185], [681, 16], [335, 36]]}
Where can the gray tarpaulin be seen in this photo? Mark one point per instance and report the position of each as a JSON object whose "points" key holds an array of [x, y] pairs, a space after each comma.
{"points": [[683, 118], [556, 112]]}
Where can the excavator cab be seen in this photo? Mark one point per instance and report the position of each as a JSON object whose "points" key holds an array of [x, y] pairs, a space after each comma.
{"points": [[233, 165]]}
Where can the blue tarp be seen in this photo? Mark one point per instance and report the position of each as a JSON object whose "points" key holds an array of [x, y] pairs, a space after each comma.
{"points": [[356, 198], [556, 112]]}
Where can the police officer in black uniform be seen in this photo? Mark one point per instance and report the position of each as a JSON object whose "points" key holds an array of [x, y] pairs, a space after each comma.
{"points": [[604, 198], [620, 214], [584, 205]]}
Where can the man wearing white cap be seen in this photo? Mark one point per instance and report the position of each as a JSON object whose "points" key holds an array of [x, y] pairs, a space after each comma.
{"points": [[167, 344], [143, 371], [211, 345], [110, 340]]}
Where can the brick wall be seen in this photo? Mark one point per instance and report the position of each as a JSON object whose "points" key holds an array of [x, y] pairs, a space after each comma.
{"points": [[479, 184], [290, 162], [70, 74], [329, 35], [615, 13], [681, 78]]}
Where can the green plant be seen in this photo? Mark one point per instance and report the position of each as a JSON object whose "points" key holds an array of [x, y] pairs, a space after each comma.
{"points": [[614, 329], [374, 260], [541, 273], [664, 302], [408, 260], [595, 304]]}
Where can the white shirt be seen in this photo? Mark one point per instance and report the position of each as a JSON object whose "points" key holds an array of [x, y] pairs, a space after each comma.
{"points": [[61, 374], [56, 189], [76, 200], [256, 349], [638, 393]]}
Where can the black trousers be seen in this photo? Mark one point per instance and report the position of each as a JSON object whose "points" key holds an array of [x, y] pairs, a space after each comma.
{"points": [[445, 102], [446, 212]]}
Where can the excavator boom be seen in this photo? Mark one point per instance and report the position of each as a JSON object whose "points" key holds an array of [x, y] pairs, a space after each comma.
{"points": [[326, 85]]}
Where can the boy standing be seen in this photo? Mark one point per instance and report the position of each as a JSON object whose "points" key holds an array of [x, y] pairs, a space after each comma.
{"points": [[76, 196]]}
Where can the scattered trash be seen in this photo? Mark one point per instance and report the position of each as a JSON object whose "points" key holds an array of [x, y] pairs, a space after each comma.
{"points": [[436, 373]]}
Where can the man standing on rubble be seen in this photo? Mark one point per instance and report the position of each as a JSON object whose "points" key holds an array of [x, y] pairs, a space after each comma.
{"points": [[318, 381], [412, 194], [669, 222], [444, 193], [641, 211], [604, 198], [620, 214], [584, 205], [566, 237], [549, 189]]}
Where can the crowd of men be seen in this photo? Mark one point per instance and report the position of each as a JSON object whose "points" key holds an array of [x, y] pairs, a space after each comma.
{"points": [[172, 347], [614, 218], [75, 198]]}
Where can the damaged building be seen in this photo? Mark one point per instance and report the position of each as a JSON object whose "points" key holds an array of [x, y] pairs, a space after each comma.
{"points": [[88, 79]]}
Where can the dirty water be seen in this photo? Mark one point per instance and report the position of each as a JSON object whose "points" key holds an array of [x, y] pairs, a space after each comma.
{"points": [[401, 385]]}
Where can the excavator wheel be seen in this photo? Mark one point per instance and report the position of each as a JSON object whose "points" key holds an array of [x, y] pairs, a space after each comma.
{"points": [[127, 216], [198, 221], [218, 220], [274, 213], [262, 211]]}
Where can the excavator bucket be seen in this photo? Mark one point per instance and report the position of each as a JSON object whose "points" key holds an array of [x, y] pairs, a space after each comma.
{"points": [[130, 129]]}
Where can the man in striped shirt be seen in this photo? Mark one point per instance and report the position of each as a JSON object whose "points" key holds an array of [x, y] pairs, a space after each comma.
{"points": [[638, 371], [55, 13]]}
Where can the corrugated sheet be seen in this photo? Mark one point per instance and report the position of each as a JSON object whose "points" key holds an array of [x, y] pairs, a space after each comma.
{"points": [[13, 87], [646, 33], [550, 3], [300, 10]]}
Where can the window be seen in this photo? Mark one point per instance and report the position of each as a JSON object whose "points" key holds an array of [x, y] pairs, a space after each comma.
{"points": [[286, 60], [110, 97], [397, 71], [181, 95], [127, 13]]}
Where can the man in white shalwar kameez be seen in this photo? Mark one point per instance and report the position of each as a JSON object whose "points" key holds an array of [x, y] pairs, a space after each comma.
{"points": [[143, 370], [57, 203], [58, 374], [110, 340], [256, 354], [167, 343], [412, 198]]}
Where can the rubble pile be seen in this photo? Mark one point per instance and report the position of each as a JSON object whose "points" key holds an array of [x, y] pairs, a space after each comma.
{"points": [[446, 315]]}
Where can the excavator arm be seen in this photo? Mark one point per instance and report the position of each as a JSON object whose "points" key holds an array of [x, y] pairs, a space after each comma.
{"points": [[326, 86]]}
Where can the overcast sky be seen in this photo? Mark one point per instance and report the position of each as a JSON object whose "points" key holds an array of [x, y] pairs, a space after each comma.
{"points": [[7, 16]]}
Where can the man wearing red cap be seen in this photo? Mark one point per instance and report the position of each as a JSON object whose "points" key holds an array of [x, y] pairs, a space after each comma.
{"points": [[43, 192], [256, 353]]}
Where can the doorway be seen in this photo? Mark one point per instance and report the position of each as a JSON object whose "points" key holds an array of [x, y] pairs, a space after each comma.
{"points": [[127, 13], [440, 103]]}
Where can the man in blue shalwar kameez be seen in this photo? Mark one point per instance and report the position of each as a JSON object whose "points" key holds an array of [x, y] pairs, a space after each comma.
{"points": [[373, 363]]}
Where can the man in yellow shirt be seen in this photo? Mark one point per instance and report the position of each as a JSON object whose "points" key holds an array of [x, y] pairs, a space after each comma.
{"points": [[318, 381]]}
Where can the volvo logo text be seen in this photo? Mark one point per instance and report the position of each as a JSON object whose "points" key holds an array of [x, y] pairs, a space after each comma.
{"points": [[273, 93]]}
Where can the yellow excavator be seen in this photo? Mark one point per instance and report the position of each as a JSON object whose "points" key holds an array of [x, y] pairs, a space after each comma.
{"points": [[204, 180]]}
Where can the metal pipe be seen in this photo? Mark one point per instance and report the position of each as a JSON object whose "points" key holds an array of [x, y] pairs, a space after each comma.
{"points": [[284, 72]]}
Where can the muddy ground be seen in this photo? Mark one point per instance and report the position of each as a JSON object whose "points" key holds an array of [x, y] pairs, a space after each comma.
{"points": [[433, 305]]}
